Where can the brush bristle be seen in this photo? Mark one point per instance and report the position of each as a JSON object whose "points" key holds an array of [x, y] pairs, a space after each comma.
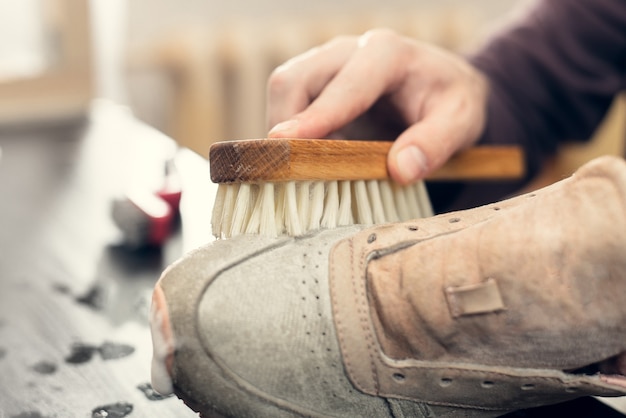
{"points": [[295, 208]]}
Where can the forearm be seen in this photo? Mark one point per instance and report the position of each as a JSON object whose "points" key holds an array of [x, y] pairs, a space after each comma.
{"points": [[553, 74]]}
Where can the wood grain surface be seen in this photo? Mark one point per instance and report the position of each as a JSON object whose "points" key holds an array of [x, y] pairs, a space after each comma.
{"points": [[263, 160]]}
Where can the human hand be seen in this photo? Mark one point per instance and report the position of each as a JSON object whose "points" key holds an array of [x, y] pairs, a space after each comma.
{"points": [[439, 98]]}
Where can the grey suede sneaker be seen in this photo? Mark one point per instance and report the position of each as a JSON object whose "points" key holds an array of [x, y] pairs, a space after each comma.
{"points": [[473, 313]]}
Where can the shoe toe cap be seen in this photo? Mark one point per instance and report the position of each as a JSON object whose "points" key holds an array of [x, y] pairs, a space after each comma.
{"points": [[267, 323], [254, 329]]}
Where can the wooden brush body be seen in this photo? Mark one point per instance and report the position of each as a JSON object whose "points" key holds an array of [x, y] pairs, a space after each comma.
{"points": [[273, 160], [292, 186]]}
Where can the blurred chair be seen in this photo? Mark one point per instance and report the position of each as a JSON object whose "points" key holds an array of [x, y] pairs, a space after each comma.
{"points": [[64, 88]]}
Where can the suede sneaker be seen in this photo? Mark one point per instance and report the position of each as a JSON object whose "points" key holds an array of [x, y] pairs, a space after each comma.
{"points": [[473, 313]]}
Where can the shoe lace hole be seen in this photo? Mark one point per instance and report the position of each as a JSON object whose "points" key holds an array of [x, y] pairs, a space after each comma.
{"points": [[487, 384], [399, 377], [445, 382], [528, 386]]}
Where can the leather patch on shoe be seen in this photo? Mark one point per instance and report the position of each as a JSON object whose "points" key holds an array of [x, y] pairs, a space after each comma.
{"points": [[474, 299]]}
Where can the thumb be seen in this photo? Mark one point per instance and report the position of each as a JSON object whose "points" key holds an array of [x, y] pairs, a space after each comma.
{"points": [[286, 129], [422, 148], [303, 125]]}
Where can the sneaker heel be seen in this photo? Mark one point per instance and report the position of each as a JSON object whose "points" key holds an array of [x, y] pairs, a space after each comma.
{"points": [[162, 342]]}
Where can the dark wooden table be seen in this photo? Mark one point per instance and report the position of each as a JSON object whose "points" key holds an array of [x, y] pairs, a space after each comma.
{"points": [[74, 336]]}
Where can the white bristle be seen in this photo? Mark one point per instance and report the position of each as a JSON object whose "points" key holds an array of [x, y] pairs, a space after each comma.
{"points": [[262, 219], [386, 194], [331, 205], [291, 218], [254, 220], [303, 200], [294, 208], [361, 203], [376, 202], [316, 207], [268, 209], [401, 203], [279, 219], [344, 214], [218, 210], [230, 197], [242, 210]]}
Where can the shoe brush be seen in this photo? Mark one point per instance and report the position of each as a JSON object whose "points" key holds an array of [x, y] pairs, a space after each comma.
{"points": [[291, 186]]}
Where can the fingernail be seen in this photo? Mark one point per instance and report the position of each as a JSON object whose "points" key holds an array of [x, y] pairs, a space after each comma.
{"points": [[411, 163], [284, 128]]}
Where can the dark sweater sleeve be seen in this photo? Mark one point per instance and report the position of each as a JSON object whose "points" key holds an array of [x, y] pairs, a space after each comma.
{"points": [[553, 74]]}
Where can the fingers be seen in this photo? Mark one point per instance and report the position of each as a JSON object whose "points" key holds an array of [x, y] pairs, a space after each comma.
{"points": [[293, 85], [452, 116], [372, 68], [421, 148], [440, 97], [450, 125]]}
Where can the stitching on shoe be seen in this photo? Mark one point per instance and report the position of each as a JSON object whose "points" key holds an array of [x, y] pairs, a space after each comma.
{"points": [[338, 318], [565, 383], [357, 289], [370, 339]]}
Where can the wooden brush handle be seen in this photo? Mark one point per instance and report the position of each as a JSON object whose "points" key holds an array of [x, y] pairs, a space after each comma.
{"points": [[271, 160]]}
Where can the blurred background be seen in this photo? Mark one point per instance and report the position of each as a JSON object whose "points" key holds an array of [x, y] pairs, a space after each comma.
{"points": [[196, 69]]}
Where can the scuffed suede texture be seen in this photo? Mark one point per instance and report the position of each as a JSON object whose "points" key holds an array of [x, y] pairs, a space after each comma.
{"points": [[491, 308], [268, 322], [559, 261], [254, 331]]}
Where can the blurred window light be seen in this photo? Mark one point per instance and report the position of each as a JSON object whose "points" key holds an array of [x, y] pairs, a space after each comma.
{"points": [[23, 49]]}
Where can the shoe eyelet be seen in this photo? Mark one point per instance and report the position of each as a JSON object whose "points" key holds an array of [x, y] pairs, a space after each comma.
{"points": [[487, 384], [371, 238], [445, 382], [399, 377], [528, 386], [413, 228], [571, 390], [454, 220]]}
